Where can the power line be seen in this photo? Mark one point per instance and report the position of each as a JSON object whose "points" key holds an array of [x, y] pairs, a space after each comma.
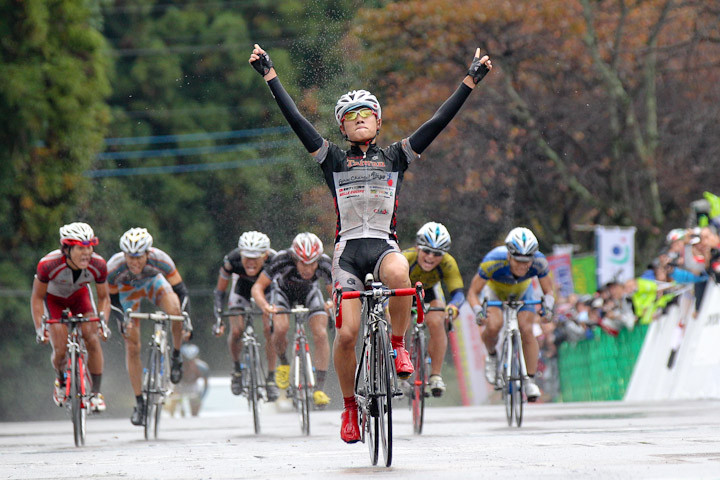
{"points": [[190, 137], [197, 167], [181, 152]]}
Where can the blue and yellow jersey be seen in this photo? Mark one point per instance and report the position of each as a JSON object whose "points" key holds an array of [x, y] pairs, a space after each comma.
{"points": [[446, 272], [495, 268]]}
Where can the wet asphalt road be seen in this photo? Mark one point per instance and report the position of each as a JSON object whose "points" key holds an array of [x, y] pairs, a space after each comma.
{"points": [[574, 440]]}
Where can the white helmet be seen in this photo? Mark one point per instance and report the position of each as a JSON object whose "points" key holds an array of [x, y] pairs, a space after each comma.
{"points": [[307, 247], [136, 241], [253, 244], [675, 234], [434, 236], [77, 233], [354, 99], [521, 242]]}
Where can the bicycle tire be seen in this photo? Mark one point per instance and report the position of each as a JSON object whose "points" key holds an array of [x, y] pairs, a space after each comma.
{"points": [[303, 390], [384, 398], [149, 388], [517, 380], [369, 422], [253, 394], [507, 379], [417, 398], [76, 400], [163, 380]]}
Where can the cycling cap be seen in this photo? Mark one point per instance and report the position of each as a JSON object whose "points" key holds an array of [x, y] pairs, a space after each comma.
{"points": [[189, 351], [77, 233], [136, 241], [355, 99], [307, 247], [675, 234], [521, 244], [253, 244], [434, 236]]}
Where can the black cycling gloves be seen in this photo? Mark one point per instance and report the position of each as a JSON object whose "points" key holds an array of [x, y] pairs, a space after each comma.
{"points": [[477, 70], [264, 64]]}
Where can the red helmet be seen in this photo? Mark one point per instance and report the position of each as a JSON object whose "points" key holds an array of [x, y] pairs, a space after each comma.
{"points": [[307, 247]]}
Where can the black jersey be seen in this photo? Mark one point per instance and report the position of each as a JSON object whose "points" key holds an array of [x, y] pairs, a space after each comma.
{"points": [[282, 270], [232, 263]]}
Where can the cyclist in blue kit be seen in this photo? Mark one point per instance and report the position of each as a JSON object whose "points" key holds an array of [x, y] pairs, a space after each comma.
{"points": [[509, 270], [365, 181]]}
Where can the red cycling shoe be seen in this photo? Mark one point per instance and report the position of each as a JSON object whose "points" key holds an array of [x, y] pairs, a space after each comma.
{"points": [[403, 365], [349, 430]]}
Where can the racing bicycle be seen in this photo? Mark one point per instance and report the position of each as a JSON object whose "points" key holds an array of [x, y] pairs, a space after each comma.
{"points": [[421, 360], [254, 375], [302, 376], [78, 383], [511, 372], [156, 374], [376, 379]]}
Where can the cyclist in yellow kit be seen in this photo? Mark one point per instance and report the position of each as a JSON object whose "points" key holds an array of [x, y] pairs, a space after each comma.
{"points": [[431, 264]]}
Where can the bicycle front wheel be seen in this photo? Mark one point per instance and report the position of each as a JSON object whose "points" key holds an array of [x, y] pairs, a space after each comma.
{"points": [[417, 398], [302, 388], [150, 389], [517, 380], [506, 375], [77, 407], [254, 393], [384, 362]]}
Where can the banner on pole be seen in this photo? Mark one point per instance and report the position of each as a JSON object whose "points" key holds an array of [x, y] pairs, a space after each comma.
{"points": [[615, 248]]}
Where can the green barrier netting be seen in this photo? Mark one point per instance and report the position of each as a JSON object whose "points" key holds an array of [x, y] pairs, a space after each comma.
{"points": [[599, 369]]}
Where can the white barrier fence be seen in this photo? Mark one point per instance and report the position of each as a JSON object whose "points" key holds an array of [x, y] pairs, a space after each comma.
{"points": [[694, 370]]}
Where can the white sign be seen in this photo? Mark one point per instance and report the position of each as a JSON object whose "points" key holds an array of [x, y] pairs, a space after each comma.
{"points": [[615, 247]]}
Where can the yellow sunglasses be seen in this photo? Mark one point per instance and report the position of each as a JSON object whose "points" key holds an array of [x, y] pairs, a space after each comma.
{"points": [[364, 113]]}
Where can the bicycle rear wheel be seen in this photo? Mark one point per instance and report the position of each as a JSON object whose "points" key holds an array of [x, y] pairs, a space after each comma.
{"points": [[254, 393], [77, 406], [517, 380], [417, 398], [384, 392], [150, 386]]}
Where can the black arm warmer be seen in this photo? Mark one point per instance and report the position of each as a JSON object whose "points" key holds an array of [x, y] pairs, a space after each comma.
{"points": [[182, 292], [427, 132], [307, 134], [115, 302]]}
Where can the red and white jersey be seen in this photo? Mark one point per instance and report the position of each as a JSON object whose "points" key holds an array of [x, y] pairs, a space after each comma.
{"points": [[54, 270]]}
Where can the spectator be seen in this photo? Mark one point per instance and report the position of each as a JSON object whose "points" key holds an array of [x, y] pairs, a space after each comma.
{"points": [[194, 384]]}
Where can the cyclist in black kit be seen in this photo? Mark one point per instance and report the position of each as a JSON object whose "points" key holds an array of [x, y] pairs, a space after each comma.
{"points": [[292, 277], [365, 182], [242, 266]]}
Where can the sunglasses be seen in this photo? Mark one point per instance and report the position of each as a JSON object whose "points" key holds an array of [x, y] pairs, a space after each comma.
{"points": [[86, 243], [427, 251], [364, 113]]}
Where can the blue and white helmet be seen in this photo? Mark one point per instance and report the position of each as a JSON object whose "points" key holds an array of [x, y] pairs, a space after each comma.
{"points": [[521, 242], [434, 236], [355, 99]]}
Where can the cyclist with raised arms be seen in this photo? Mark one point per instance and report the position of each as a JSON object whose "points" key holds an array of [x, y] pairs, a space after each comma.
{"points": [[243, 266], [431, 264], [292, 278], [365, 183], [509, 270], [140, 271], [62, 281]]}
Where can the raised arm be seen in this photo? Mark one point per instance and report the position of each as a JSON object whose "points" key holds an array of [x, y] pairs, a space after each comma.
{"points": [[307, 134], [427, 132]]}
